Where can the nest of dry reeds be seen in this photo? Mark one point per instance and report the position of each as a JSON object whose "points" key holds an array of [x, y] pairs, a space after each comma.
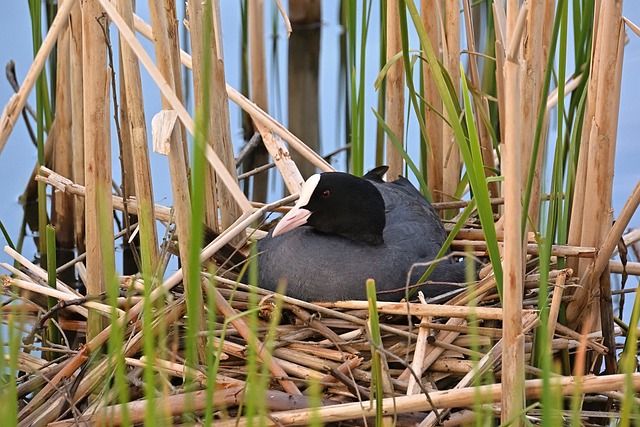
{"points": [[319, 358]]}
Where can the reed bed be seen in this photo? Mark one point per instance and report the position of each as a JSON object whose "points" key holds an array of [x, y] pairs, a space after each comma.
{"points": [[531, 338], [436, 356]]}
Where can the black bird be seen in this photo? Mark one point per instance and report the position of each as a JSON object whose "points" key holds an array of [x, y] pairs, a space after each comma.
{"points": [[345, 229]]}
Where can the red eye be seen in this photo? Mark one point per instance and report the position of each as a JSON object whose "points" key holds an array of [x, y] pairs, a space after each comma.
{"points": [[326, 194]]}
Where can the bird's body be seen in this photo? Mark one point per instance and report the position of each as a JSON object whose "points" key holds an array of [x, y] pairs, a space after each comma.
{"points": [[334, 265]]}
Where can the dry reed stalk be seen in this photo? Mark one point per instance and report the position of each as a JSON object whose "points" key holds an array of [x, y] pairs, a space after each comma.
{"points": [[103, 309], [420, 348], [33, 409], [141, 168], [347, 366], [65, 185], [14, 107], [454, 349], [219, 127], [176, 404], [432, 352], [603, 102], [500, 25], [132, 314], [570, 85], [253, 110], [433, 122], [97, 156], [39, 272], [258, 88], [162, 213], [77, 118], [394, 96], [304, 359], [164, 23], [452, 164], [293, 180], [576, 336], [339, 355], [493, 333], [441, 399], [556, 300], [533, 249], [258, 115], [171, 406], [179, 370], [480, 103], [477, 370], [632, 268], [321, 328], [19, 274], [453, 366], [470, 339], [171, 98], [199, 46], [513, 346], [596, 269], [62, 212], [228, 312], [101, 371], [531, 79], [323, 309], [435, 310]]}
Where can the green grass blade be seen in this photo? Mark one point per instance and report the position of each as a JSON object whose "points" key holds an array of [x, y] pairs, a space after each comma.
{"points": [[541, 114], [477, 178], [376, 344]]}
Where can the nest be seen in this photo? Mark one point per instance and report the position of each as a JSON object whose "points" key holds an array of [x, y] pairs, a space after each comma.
{"points": [[332, 362]]}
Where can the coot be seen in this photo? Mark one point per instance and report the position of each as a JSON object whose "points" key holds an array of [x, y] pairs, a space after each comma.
{"points": [[345, 229]]}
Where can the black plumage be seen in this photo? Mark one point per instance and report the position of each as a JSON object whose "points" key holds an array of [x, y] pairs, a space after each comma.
{"points": [[345, 229]]}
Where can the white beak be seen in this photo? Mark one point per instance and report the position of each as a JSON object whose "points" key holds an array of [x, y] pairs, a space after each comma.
{"points": [[298, 215]]}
